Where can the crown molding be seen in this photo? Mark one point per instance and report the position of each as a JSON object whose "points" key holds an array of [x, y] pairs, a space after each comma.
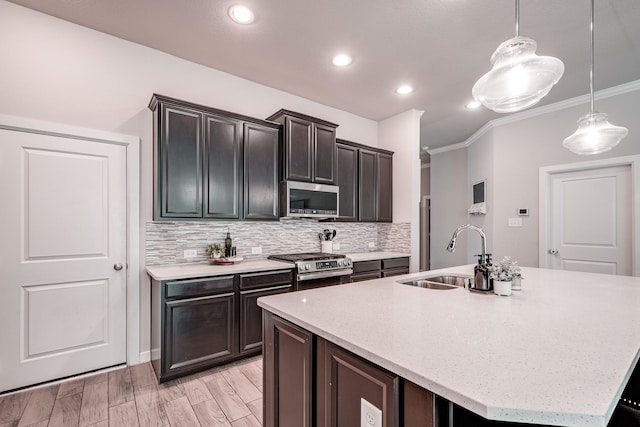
{"points": [[534, 112]]}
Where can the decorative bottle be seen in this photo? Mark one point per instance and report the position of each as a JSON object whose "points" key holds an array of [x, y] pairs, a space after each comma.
{"points": [[227, 245]]}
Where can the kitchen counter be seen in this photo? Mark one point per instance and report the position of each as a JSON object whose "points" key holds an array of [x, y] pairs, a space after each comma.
{"points": [[186, 271], [559, 352], [369, 256]]}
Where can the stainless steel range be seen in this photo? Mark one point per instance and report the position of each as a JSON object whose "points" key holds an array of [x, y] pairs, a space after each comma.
{"points": [[317, 269]]}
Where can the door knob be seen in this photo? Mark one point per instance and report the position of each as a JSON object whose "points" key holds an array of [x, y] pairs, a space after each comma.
{"points": [[117, 267], [553, 251]]}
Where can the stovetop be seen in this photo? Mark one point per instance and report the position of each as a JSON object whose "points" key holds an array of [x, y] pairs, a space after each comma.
{"points": [[310, 256]]}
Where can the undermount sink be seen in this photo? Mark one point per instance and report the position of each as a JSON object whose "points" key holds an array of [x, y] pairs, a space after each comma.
{"points": [[442, 282]]}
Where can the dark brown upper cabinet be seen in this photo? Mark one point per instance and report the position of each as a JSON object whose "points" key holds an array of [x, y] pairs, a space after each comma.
{"points": [[223, 167], [213, 164], [309, 152], [347, 181], [365, 177], [260, 172], [178, 152]]}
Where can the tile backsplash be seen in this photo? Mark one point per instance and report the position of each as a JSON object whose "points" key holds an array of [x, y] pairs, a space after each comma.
{"points": [[166, 241]]}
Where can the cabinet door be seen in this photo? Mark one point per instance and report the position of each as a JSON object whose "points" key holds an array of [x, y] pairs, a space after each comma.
{"points": [[344, 379], [198, 332], [251, 317], [260, 172], [223, 167], [385, 187], [298, 144], [324, 158], [288, 380], [179, 179], [367, 188], [347, 181]]}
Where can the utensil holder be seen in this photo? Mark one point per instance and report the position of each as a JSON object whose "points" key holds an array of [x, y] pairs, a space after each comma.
{"points": [[326, 247]]}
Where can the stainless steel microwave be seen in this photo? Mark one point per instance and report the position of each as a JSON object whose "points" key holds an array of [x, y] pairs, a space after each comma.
{"points": [[308, 200]]}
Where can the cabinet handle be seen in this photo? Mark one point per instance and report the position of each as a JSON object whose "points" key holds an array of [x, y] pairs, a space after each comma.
{"points": [[117, 267], [553, 251]]}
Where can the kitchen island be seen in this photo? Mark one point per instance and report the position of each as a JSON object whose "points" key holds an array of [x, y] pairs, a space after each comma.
{"points": [[559, 352]]}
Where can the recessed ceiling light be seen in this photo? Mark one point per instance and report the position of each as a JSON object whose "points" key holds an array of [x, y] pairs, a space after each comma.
{"points": [[403, 90], [342, 60], [473, 105], [241, 14]]}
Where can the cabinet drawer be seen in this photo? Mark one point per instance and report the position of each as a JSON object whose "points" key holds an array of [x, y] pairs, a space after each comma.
{"points": [[365, 276], [395, 272], [264, 279], [195, 287], [366, 266], [395, 263]]}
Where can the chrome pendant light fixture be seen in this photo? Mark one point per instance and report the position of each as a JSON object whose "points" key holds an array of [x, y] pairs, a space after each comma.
{"points": [[595, 134], [519, 78]]}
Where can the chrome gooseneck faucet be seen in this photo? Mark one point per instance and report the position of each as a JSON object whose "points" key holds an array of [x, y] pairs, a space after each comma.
{"points": [[481, 270]]}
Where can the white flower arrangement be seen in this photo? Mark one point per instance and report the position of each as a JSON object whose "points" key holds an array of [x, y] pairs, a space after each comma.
{"points": [[505, 270]]}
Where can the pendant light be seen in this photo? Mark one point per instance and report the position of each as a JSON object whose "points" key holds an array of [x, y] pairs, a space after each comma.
{"points": [[519, 78], [595, 134]]}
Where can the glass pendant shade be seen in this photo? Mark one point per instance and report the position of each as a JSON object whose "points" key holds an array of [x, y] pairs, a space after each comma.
{"points": [[594, 135], [519, 78]]}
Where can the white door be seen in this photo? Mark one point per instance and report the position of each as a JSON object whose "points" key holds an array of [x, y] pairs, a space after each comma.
{"points": [[590, 220], [63, 294]]}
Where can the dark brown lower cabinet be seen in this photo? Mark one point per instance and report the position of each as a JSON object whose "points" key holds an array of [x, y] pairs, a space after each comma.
{"points": [[251, 317], [343, 379], [309, 381], [203, 322], [374, 269], [201, 330], [366, 270], [288, 374], [395, 266]]}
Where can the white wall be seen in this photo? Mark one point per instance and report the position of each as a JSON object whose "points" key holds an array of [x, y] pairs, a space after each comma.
{"points": [[449, 204], [56, 71], [401, 134], [510, 154], [522, 147]]}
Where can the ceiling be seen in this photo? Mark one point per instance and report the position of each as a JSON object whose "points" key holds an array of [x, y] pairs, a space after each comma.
{"points": [[440, 47]]}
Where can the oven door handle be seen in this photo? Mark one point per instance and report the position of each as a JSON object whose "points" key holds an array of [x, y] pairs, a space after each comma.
{"points": [[323, 274]]}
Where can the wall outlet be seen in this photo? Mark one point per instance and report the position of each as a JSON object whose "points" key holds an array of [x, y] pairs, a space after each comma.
{"points": [[515, 222], [256, 250], [336, 246], [370, 416], [190, 253], [372, 245]]}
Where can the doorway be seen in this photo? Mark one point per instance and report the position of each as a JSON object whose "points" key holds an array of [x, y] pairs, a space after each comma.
{"points": [[589, 216], [65, 279]]}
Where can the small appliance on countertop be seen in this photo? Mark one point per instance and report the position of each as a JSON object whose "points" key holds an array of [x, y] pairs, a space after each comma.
{"points": [[317, 269]]}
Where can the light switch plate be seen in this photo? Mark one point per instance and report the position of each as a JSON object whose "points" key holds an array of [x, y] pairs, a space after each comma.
{"points": [[370, 416], [336, 245], [515, 222], [372, 245], [256, 250], [190, 253]]}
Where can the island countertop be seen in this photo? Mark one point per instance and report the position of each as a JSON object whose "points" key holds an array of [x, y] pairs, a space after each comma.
{"points": [[559, 352]]}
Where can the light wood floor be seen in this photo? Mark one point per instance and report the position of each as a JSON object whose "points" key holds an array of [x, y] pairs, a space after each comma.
{"points": [[229, 396]]}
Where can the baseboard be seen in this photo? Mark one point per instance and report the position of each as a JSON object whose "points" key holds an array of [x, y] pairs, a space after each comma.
{"points": [[145, 356]]}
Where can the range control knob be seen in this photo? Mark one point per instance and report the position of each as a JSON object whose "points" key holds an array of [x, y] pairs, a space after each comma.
{"points": [[307, 266]]}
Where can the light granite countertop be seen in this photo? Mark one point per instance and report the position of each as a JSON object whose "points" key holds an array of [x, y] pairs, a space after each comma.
{"points": [[186, 271], [559, 352]]}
